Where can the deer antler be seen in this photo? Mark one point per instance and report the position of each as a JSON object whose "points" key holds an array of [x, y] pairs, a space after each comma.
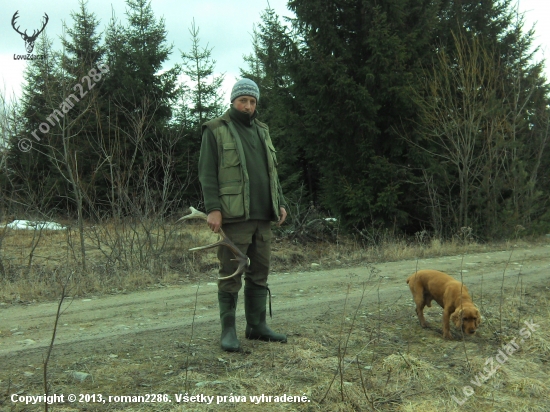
{"points": [[46, 20], [29, 40], [34, 33], [15, 16], [244, 261]]}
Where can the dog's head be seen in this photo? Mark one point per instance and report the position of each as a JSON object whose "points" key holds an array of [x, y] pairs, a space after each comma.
{"points": [[467, 318]]}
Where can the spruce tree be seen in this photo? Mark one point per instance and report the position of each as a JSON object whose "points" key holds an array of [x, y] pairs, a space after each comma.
{"points": [[205, 97], [37, 185], [84, 74], [200, 101], [136, 54], [268, 65], [139, 100], [358, 62]]}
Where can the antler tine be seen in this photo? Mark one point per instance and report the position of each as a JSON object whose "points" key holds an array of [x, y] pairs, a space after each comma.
{"points": [[47, 19], [194, 215], [15, 16], [244, 261]]}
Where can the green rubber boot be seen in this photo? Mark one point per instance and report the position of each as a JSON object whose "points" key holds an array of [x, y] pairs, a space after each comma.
{"points": [[255, 298], [228, 305]]}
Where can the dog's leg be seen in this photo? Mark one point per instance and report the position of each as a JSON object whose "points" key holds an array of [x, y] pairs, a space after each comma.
{"points": [[420, 303], [446, 329]]}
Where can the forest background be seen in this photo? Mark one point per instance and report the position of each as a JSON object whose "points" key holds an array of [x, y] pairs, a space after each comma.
{"points": [[402, 117]]}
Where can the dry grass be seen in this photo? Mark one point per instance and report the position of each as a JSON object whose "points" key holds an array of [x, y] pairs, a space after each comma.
{"points": [[125, 257], [35, 261], [32, 260]]}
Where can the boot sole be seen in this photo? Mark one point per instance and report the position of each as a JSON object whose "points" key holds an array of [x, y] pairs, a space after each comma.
{"points": [[231, 349], [265, 338]]}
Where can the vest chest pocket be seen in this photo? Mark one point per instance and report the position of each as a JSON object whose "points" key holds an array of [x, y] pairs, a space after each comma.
{"points": [[230, 171], [232, 201], [230, 157]]}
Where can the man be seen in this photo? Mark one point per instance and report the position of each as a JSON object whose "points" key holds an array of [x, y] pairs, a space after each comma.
{"points": [[238, 175]]}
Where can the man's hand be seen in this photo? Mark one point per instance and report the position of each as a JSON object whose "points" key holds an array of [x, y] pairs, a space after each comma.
{"points": [[214, 220], [282, 217]]}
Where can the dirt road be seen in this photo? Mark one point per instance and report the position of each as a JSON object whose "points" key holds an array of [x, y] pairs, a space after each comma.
{"points": [[151, 323], [296, 296]]}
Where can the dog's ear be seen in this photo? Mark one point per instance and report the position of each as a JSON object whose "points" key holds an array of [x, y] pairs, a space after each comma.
{"points": [[456, 317], [478, 317]]}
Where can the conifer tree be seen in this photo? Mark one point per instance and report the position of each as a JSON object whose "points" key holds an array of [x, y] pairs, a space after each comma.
{"points": [[36, 183], [358, 62], [136, 54], [205, 97], [84, 74], [139, 100], [200, 101], [268, 65]]}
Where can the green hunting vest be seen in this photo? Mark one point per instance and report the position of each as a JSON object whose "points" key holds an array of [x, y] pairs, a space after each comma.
{"points": [[233, 180]]}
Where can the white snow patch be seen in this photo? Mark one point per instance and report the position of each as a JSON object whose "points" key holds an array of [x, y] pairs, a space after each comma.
{"points": [[34, 225]]}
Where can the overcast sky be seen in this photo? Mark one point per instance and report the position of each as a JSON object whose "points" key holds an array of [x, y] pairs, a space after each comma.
{"points": [[224, 25]]}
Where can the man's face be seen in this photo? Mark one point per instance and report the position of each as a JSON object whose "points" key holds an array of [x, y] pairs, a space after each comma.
{"points": [[245, 104]]}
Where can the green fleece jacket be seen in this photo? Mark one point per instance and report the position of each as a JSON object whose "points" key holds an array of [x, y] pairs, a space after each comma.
{"points": [[237, 168]]}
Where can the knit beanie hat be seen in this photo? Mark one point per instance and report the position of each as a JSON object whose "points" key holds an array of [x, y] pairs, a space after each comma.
{"points": [[245, 87]]}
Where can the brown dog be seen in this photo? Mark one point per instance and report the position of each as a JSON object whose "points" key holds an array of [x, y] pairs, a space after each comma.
{"points": [[452, 296]]}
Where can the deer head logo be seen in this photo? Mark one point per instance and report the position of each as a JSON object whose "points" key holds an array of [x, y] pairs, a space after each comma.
{"points": [[29, 40]]}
